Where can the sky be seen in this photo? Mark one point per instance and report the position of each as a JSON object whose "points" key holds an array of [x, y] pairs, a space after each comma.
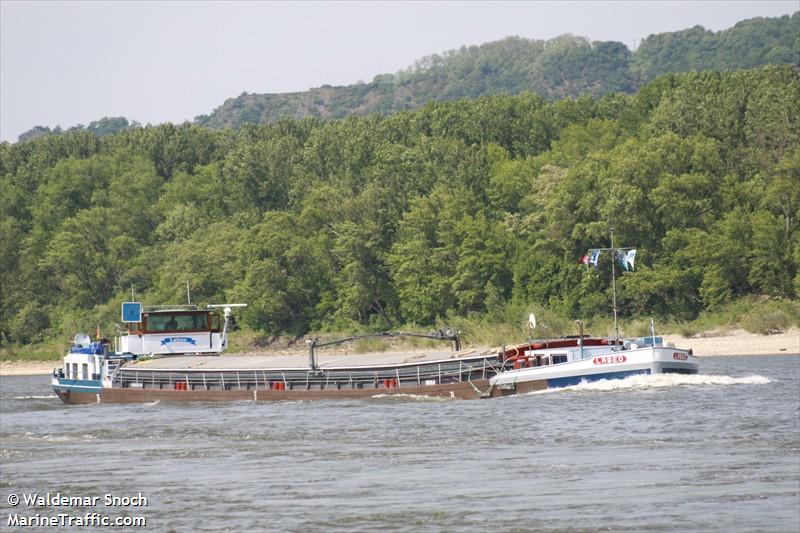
{"points": [[72, 62]]}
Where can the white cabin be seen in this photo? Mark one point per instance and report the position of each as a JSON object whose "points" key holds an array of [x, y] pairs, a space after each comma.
{"points": [[180, 330]]}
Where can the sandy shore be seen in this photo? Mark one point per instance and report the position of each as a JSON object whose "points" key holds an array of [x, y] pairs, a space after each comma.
{"points": [[739, 342], [715, 343], [27, 368]]}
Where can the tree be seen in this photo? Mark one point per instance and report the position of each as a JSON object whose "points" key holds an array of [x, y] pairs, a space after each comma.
{"points": [[423, 258], [76, 263], [207, 261], [769, 256], [483, 266], [286, 275]]}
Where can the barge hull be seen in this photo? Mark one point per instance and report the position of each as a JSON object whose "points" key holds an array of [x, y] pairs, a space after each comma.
{"points": [[462, 390]]}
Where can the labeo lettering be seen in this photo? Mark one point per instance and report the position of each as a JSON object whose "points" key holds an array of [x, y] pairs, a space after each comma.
{"points": [[170, 340], [608, 359]]}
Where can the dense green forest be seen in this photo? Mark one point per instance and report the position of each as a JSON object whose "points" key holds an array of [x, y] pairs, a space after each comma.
{"points": [[555, 69], [567, 66], [462, 207], [101, 128]]}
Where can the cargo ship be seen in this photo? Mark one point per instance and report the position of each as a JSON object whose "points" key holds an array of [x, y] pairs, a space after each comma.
{"points": [[173, 353]]}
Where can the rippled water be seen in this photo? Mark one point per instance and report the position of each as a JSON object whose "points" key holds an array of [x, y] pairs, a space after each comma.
{"points": [[719, 451]]}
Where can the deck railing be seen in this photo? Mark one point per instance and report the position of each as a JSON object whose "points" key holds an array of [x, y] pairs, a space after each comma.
{"points": [[302, 379]]}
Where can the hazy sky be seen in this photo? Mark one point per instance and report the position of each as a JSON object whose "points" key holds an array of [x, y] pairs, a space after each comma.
{"points": [[65, 63]]}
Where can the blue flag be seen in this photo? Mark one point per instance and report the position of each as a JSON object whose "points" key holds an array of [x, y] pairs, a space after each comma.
{"points": [[595, 257]]}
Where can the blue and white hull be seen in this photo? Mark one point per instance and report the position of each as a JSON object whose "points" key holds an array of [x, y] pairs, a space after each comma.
{"points": [[76, 385], [85, 371], [594, 364]]}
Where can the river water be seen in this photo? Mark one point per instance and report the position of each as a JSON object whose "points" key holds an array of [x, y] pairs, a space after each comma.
{"points": [[718, 451]]}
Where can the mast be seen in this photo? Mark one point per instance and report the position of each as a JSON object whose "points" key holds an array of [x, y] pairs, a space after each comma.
{"points": [[614, 290]]}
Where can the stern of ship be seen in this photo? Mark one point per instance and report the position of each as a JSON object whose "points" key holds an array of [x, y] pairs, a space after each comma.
{"points": [[84, 374], [667, 360]]}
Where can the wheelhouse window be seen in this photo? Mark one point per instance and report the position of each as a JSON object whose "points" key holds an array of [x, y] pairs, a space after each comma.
{"points": [[177, 322]]}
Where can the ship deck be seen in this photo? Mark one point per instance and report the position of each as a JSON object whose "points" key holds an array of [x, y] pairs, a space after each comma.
{"points": [[381, 370], [300, 361]]}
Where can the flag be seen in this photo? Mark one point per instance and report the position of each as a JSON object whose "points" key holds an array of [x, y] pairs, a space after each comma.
{"points": [[584, 260], [619, 257], [630, 257], [97, 332], [595, 257]]}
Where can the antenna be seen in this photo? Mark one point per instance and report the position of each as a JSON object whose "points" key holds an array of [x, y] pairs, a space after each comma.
{"points": [[188, 295], [653, 331]]}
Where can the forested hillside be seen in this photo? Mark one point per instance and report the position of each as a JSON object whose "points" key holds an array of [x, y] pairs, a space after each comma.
{"points": [[101, 128], [561, 67], [555, 69], [468, 206]]}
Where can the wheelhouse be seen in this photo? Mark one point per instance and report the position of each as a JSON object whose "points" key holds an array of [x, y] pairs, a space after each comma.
{"points": [[174, 330], [177, 321]]}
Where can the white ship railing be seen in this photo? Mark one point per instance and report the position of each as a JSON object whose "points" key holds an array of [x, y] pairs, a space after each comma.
{"points": [[306, 379]]}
